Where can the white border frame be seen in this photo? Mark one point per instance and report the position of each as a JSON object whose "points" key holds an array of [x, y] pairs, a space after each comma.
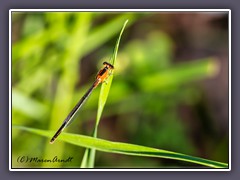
{"points": [[114, 10]]}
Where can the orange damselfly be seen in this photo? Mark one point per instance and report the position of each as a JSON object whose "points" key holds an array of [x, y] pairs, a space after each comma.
{"points": [[102, 75]]}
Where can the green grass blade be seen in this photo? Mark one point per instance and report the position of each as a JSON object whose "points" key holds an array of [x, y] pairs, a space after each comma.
{"points": [[124, 148], [105, 88], [117, 44], [84, 163]]}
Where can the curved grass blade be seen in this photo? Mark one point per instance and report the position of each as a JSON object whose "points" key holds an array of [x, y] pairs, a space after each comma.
{"points": [[105, 88], [125, 148]]}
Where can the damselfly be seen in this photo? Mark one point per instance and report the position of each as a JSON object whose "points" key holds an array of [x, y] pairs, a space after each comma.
{"points": [[102, 75]]}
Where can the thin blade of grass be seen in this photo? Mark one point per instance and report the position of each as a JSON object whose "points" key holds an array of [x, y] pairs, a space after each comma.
{"points": [[105, 88], [124, 148], [84, 163]]}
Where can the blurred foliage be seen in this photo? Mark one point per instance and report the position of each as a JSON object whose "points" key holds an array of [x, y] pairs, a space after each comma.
{"points": [[55, 56]]}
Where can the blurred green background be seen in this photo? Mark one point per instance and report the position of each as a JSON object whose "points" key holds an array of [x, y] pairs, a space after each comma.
{"points": [[170, 86]]}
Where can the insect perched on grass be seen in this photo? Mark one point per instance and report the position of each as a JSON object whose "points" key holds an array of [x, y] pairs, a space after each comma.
{"points": [[102, 76]]}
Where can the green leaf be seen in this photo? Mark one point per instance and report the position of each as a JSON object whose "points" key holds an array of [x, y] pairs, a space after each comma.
{"points": [[105, 88], [84, 163], [124, 148]]}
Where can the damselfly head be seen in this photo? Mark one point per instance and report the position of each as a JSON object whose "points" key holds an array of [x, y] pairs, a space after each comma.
{"points": [[108, 65]]}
